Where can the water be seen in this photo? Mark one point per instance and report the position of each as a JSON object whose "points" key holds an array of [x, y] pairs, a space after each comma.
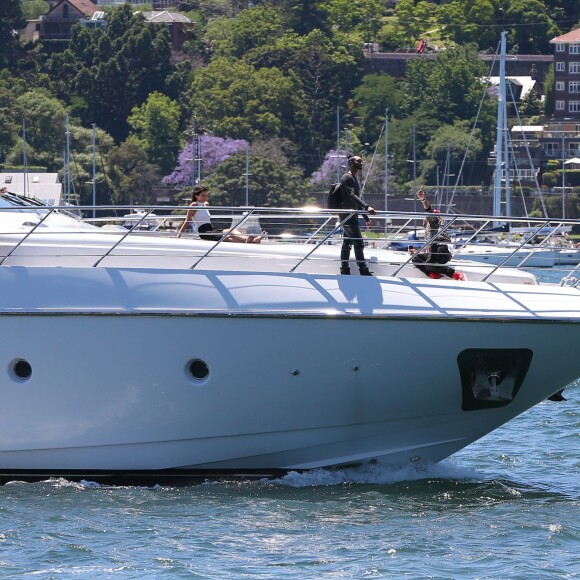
{"points": [[506, 507]]}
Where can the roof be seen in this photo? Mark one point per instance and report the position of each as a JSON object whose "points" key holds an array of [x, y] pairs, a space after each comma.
{"points": [[85, 7], [43, 186], [572, 36], [527, 83], [165, 16]]}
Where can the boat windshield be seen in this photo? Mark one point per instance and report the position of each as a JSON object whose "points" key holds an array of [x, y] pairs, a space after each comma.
{"points": [[29, 204]]}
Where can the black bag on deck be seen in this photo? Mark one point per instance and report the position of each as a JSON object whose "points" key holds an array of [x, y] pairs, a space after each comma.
{"points": [[334, 198]]}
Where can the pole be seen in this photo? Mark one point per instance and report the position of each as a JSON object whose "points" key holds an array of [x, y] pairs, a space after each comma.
{"points": [[199, 157], [501, 111], [193, 154], [447, 175], [94, 169], [67, 155], [563, 179], [386, 165], [247, 175], [24, 159], [414, 178], [337, 143]]}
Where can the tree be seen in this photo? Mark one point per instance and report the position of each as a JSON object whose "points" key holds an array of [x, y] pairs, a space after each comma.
{"points": [[412, 20], [233, 99], [32, 9], [255, 27], [530, 105], [449, 88], [452, 146], [214, 150], [362, 16], [468, 21], [133, 178], [113, 71], [304, 16], [11, 19], [45, 121], [156, 126], [532, 27], [376, 93], [549, 91], [273, 181]]}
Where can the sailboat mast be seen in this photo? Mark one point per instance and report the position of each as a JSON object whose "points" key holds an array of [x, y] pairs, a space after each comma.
{"points": [[24, 159], [501, 165]]}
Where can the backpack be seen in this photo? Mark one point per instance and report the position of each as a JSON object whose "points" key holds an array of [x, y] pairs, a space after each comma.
{"points": [[334, 197]]}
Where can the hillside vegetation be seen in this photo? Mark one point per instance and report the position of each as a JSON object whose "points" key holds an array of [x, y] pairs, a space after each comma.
{"points": [[281, 82]]}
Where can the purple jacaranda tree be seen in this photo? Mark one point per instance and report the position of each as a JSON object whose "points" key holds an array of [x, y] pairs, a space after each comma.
{"points": [[332, 168], [214, 150]]}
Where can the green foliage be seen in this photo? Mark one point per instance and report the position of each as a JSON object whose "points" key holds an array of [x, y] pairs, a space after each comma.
{"points": [[362, 16], [234, 99], [554, 206], [45, 119], [530, 105], [467, 21], [255, 27], [549, 179], [304, 16], [449, 88], [549, 91], [531, 26], [155, 124], [11, 18], [376, 93], [112, 71], [32, 9], [273, 181], [132, 176], [413, 20]]}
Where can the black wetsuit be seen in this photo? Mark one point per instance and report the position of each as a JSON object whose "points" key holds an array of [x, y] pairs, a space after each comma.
{"points": [[351, 228]]}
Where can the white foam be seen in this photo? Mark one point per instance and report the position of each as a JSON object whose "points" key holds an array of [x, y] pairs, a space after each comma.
{"points": [[377, 473]]}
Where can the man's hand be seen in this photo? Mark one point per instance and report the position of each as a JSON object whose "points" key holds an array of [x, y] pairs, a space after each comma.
{"points": [[421, 195], [371, 210], [369, 223]]}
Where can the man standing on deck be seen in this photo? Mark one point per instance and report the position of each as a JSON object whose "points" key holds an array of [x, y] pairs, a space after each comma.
{"points": [[352, 235]]}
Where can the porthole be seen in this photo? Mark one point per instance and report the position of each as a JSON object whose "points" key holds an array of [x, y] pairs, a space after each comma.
{"points": [[21, 369], [198, 369]]}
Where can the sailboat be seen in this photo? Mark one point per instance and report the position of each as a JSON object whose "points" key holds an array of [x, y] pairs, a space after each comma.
{"points": [[497, 248]]}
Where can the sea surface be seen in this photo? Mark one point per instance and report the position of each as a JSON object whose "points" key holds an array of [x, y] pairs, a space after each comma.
{"points": [[508, 506]]}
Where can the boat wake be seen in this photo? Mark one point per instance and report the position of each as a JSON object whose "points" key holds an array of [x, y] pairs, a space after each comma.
{"points": [[376, 473]]}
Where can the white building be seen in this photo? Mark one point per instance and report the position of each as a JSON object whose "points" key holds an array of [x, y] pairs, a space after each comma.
{"points": [[43, 186]]}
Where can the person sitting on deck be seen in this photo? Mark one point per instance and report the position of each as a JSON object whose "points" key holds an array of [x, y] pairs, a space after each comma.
{"points": [[200, 216]]}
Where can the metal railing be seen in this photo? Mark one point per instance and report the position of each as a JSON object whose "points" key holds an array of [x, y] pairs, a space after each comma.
{"points": [[313, 226]]}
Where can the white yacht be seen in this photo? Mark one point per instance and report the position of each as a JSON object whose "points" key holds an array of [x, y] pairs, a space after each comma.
{"points": [[139, 355]]}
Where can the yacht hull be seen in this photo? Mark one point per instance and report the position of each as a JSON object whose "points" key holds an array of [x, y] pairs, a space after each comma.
{"points": [[129, 371]]}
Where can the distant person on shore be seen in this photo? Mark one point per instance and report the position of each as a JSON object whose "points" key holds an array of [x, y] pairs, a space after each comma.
{"points": [[200, 216], [352, 235], [432, 259]]}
